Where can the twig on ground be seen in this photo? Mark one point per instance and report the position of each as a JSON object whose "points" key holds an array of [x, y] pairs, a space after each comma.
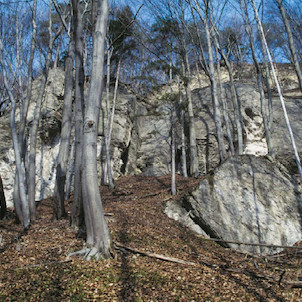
{"points": [[250, 244], [153, 255]]}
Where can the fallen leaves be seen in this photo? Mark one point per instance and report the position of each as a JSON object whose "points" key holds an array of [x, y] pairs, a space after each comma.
{"points": [[33, 266]]}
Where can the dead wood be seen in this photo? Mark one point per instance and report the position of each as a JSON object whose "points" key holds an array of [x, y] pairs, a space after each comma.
{"points": [[153, 255], [250, 243], [294, 284]]}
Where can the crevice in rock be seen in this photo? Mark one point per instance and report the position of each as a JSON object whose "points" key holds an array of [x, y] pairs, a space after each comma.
{"points": [[187, 205], [124, 158], [249, 112]]}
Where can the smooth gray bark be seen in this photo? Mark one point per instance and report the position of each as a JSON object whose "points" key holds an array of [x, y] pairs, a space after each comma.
{"points": [[61, 169], [266, 68], [292, 139], [101, 242], [35, 123], [173, 168], [291, 43], [70, 171], [259, 77], [77, 205], [173, 140], [183, 137], [214, 92], [235, 102], [25, 105], [22, 202], [108, 170], [114, 102], [194, 169], [223, 101], [24, 111]]}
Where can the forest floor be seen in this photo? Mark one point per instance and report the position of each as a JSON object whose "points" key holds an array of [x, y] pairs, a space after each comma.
{"points": [[35, 267]]}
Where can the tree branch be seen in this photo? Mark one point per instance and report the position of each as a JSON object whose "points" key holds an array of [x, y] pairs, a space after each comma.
{"points": [[153, 255]]}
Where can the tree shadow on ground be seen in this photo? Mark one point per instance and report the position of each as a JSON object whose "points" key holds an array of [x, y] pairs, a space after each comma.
{"points": [[127, 275], [253, 283]]}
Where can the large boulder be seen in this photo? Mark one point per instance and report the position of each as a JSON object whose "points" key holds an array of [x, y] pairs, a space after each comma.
{"points": [[247, 199]]}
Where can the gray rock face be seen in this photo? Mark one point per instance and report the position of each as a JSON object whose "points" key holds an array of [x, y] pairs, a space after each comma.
{"points": [[248, 199], [48, 138], [141, 132], [280, 136], [253, 130]]}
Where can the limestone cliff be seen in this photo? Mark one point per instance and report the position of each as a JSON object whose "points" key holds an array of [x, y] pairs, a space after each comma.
{"points": [[141, 132]]}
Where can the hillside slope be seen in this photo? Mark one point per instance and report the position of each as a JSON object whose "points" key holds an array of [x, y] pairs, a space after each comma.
{"points": [[35, 266]]}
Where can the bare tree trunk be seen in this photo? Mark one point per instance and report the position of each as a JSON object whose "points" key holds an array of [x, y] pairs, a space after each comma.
{"points": [[235, 101], [194, 169], [35, 124], [114, 101], [23, 123], [2, 201], [23, 114], [107, 147], [24, 214], [223, 102], [61, 170], [55, 64], [173, 141], [70, 171], [217, 114], [259, 77], [197, 68], [291, 43], [101, 243], [292, 139], [77, 205], [173, 170], [18, 58], [183, 137], [266, 67]]}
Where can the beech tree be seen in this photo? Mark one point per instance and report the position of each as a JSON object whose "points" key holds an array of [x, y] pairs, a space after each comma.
{"points": [[97, 234], [244, 8], [206, 20], [21, 204], [77, 205], [291, 44], [20, 197], [37, 115], [62, 165]]}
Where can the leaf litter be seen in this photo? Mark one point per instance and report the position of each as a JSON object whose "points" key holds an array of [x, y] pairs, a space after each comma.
{"points": [[34, 266]]}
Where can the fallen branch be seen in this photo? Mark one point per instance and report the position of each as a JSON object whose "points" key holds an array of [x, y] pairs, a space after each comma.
{"points": [[153, 255], [294, 284], [250, 244]]}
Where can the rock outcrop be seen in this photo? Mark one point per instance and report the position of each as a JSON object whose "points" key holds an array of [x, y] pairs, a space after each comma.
{"points": [[247, 199], [141, 140], [48, 138]]}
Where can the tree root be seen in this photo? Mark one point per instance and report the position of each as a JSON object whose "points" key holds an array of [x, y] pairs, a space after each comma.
{"points": [[88, 254]]}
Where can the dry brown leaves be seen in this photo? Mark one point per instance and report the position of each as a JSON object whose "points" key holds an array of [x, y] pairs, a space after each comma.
{"points": [[33, 266]]}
